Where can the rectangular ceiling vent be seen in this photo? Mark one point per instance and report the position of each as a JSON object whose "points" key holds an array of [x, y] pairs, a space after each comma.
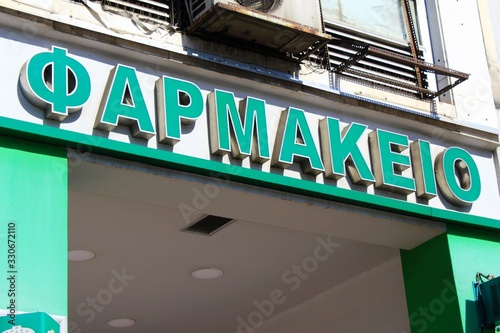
{"points": [[293, 28], [209, 224]]}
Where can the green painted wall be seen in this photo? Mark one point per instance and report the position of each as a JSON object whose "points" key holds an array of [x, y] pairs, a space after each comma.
{"points": [[439, 277], [472, 251], [430, 288], [34, 196]]}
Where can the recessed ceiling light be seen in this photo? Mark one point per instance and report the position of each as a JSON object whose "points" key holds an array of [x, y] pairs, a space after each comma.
{"points": [[80, 255], [207, 273], [122, 322]]}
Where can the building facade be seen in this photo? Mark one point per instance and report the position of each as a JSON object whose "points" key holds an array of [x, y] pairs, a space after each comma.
{"points": [[250, 166]]}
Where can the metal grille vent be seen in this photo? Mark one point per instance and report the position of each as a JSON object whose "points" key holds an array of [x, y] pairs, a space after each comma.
{"points": [[156, 11], [495, 299], [489, 298], [348, 54], [209, 225], [367, 60], [260, 5], [388, 64]]}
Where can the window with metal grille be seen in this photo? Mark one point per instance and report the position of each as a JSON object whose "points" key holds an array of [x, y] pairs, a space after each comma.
{"points": [[379, 43]]}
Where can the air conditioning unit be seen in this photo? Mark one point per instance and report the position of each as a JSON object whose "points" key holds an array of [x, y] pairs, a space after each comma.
{"points": [[489, 298], [291, 27]]}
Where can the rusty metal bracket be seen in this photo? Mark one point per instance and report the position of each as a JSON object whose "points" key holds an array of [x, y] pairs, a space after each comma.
{"points": [[412, 39], [394, 66], [423, 67], [363, 51]]}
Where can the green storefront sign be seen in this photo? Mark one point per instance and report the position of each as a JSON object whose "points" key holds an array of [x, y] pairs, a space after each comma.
{"points": [[323, 151], [38, 322], [242, 130]]}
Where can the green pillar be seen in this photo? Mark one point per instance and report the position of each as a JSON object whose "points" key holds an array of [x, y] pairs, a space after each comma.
{"points": [[33, 227], [472, 250], [430, 288], [439, 277]]}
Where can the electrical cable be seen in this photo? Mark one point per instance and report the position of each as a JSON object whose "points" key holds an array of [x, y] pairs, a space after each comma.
{"points": [[480, 276]]}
